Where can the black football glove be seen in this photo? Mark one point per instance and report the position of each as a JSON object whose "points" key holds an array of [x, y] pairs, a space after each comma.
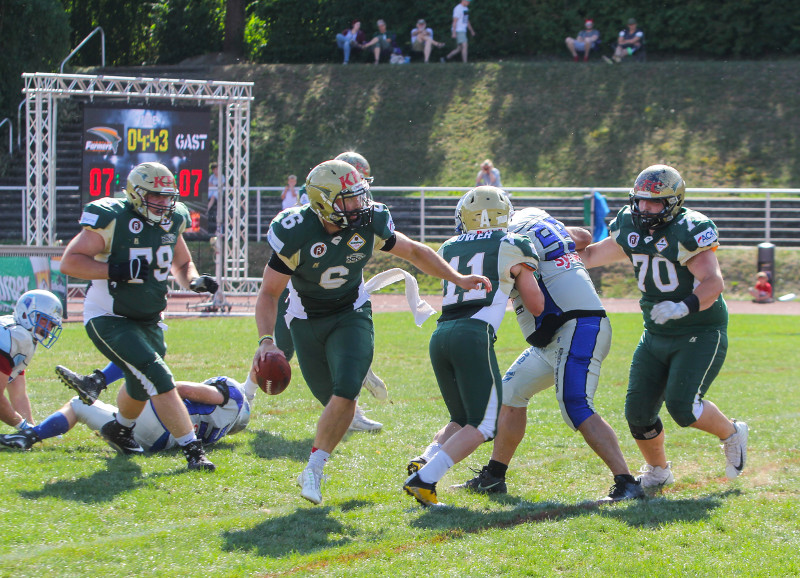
{"points": [[137, 268], [204, 284]]}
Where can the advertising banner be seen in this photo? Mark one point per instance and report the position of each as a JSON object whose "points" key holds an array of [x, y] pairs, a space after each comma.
{"points": [[21, 274]]}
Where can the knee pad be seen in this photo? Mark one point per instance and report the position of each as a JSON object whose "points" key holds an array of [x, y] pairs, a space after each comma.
{"points": [[647, 432]]}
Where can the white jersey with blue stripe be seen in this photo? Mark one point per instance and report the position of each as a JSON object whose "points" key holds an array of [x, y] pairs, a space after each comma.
{"points": [[211, 422], [568, 291]]}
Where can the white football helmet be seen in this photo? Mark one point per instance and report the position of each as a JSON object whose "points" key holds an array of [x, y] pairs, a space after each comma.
{"points": [[358, 161], [40, 312], [483, 208], [660, 182], [152, 179], [243, 418], [331, 186]]}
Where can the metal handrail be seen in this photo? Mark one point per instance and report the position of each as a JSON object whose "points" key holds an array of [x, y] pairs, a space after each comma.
{"points": [[19, 126], [85, 40], [10, 134]]}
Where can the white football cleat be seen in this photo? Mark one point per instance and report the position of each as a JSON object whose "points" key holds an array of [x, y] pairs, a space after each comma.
{"points": [[655, 476], [375, 385], [735, 449], [363, 423], [310, 485]]}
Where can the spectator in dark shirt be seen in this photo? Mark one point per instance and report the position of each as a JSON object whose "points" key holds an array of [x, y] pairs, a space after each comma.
{"points": [[382, 43]]}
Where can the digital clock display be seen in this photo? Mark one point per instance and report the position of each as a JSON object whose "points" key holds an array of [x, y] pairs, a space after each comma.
{"points": [[148, 140], [116, 139]]}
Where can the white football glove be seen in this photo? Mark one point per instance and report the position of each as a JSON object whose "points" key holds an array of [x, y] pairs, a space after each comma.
{"points": [[666, 310]]}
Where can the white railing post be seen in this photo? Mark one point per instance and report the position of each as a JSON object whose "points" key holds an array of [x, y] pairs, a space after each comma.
{"points": [[768, 217], [422, 215]]}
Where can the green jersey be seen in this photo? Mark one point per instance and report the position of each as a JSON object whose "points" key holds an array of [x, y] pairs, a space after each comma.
{"points": [[128, 236], [326, 268], [659, 263], [491, 253]]}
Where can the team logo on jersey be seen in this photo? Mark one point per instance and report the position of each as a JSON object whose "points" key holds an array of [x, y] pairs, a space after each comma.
{"points": [[169, 239], [354, 258], [356, 242], [633, 239], [318, 250], [391, 224], [135, 226], [336, 240], [705, 238], [662, 244]]}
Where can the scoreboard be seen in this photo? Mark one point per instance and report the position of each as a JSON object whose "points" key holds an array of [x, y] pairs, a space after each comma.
{"points": [[117, 138]]}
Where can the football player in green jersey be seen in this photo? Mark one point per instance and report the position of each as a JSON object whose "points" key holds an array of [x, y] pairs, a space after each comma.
{"points": [[462, 346], [685, 319], [127, 248], [323, 247], [283, 339]]}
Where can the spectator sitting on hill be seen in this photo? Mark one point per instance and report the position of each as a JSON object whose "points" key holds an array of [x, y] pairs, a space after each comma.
{"points": [[422, 40], [762, 292], [383, 43], [351, 38], [587, 40], [628, 42], [488, 175]]}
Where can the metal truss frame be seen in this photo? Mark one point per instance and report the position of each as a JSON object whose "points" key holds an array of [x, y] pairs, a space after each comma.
{"points": [[44, 90]]}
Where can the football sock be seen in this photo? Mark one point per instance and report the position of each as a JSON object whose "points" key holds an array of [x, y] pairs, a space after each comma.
{"points": [[431, 451], [53, 425], [317, 459], [112, 373], [435, 469], [497, 469], [187, 439], [250, 388], [124, 421]]}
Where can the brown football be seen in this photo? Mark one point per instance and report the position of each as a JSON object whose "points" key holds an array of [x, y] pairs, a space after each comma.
{"points": [[273, 373]]}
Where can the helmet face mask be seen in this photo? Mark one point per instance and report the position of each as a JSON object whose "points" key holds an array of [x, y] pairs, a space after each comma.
{"points": [[40, 312], [151, 190], [657, 183], [339, 195], [483, 208]]}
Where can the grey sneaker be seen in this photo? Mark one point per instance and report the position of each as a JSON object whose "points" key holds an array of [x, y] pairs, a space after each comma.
{"points": [[735, 449], [363, 423], [196, 457], [483, 483], [120, 437], [375, 385], [624, 489], [310, 483], [655, 476], [88, 387], [21, 440]]}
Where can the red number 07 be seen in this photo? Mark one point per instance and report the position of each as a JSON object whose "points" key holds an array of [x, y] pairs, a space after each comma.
{"points": [[100, 181], [189, 182]]}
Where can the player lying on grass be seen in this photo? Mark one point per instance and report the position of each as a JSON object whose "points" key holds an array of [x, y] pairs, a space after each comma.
{"points": [[217, 407]]}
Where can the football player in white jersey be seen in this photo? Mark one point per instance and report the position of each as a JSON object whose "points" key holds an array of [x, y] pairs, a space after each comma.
{"points": [[217, 407], [569, 340], [36, 319]]}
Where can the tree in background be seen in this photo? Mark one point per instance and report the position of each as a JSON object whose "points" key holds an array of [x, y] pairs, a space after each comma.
{"points": [[34, 37]]}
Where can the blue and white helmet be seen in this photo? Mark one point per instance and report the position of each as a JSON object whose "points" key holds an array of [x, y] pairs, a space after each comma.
{"points": [[40, 312], [243, 418]]}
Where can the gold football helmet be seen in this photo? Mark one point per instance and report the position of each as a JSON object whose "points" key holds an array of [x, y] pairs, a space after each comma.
{"points": [[358, 161], [152, 179], [483, 208], [659, 182], [339, 194]]}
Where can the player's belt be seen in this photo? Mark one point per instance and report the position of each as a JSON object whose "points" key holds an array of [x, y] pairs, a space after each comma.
{"points": [[551, 323]]}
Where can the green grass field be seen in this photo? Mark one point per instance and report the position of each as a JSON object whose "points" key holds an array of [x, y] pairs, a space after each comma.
{"points": [[70, 507]]}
